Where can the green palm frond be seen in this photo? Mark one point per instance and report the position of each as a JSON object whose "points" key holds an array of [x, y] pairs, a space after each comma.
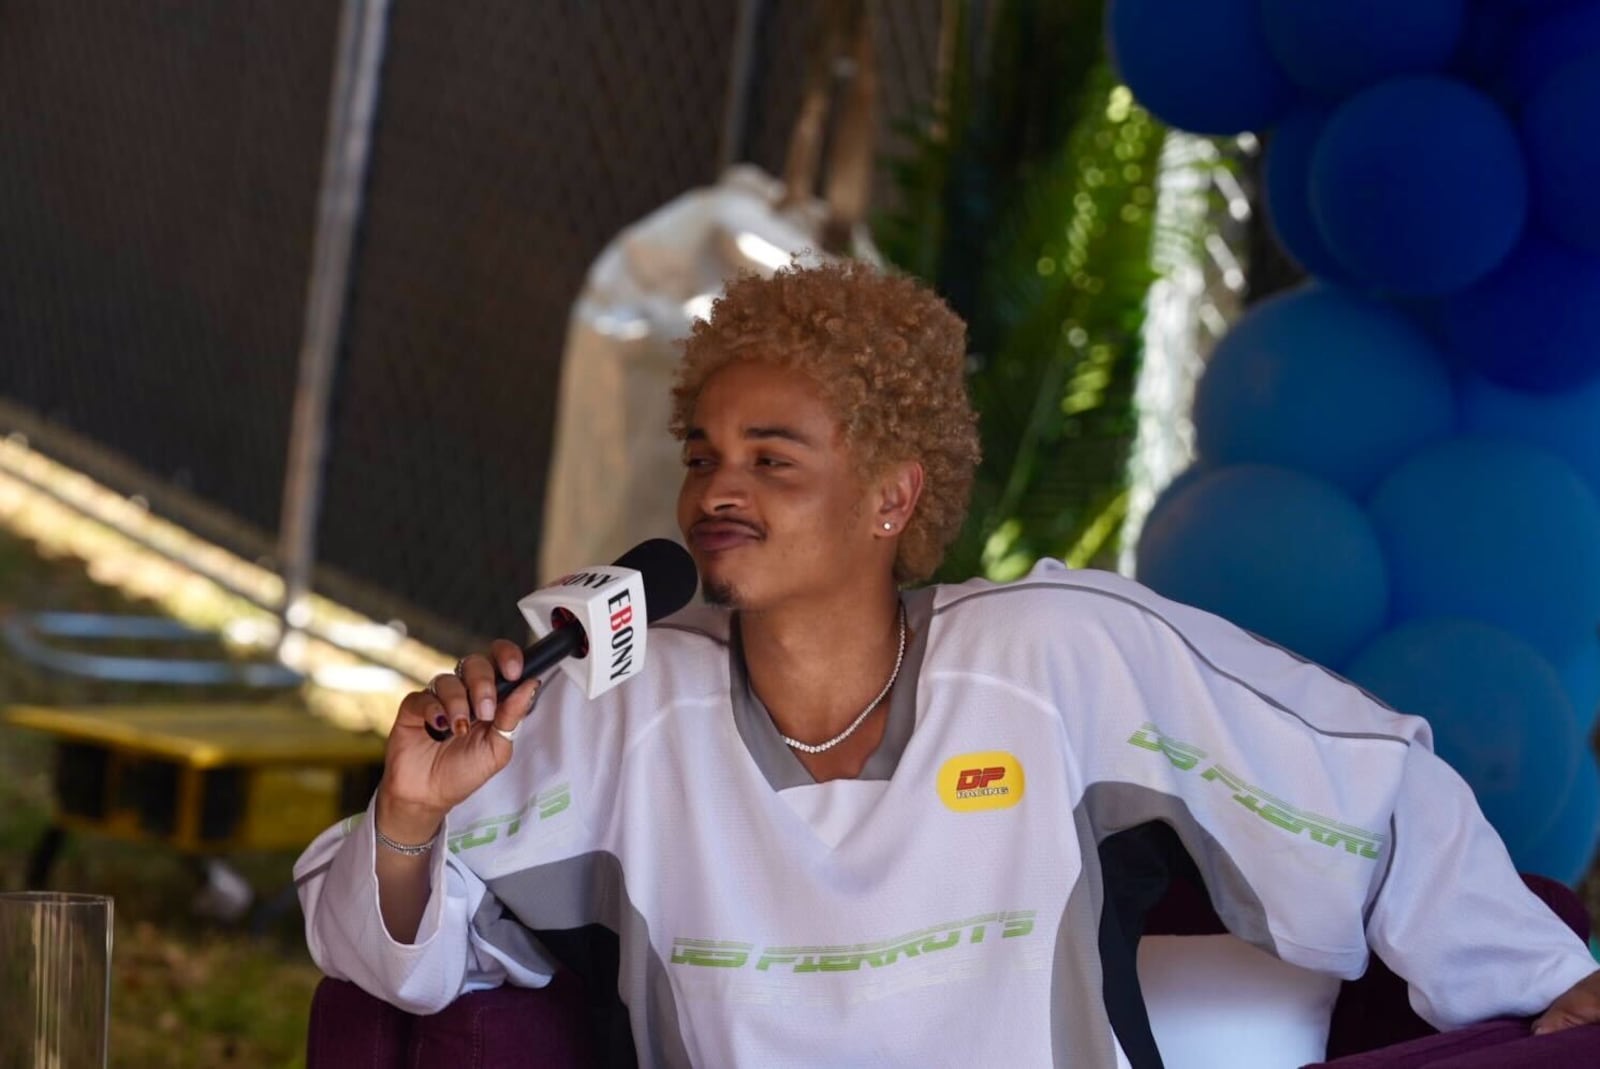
{"points": [[1029, 206]]}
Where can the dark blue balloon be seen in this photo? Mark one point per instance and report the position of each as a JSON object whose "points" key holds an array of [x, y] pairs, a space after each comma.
{"points": [[1534, 324], [1323, 381], [1487, 41], [1498, 713], [1493, 530], [1565, 849], [1561, 129], [1566, 423], [1287, 177], [1418, 186], [1279, 553], [1336, 47], [1170, 493], [1547, 44], [1202, 67]]}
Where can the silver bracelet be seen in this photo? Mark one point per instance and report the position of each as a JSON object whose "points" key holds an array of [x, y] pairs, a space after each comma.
{"points": [[401, 848]]}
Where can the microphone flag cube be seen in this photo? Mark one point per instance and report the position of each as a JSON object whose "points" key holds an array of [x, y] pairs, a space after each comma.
{"points": [[607, 602]]}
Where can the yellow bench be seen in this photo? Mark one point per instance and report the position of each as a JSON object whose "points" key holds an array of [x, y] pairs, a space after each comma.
{"points": [[204, 779]]}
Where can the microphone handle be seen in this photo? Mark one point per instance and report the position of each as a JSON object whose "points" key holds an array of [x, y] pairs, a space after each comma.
{"points": [[562, 642]]}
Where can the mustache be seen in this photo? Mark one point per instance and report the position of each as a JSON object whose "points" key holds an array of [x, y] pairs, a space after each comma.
{"points": [[749, 525]]}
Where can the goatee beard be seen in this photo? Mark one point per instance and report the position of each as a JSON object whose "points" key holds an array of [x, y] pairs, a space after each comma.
{"points": [[722, 595]]}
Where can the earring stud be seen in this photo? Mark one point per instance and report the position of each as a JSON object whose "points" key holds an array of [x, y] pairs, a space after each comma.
{"points": [[887, 526]]}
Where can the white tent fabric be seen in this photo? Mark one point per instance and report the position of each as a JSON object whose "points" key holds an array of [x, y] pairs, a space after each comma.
{"points": [[615, 470]]}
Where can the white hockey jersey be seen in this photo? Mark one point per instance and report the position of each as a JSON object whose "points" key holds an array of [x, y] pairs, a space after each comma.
{"points": [[947, 906]]}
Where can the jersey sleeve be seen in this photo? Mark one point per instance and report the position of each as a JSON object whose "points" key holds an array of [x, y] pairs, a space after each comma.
{"points": [[548, 803], [347, 938], [1321, 820]]}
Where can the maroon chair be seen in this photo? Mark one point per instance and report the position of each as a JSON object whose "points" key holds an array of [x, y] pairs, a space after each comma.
{"points": [[1373, 1026], [499, 1029]]}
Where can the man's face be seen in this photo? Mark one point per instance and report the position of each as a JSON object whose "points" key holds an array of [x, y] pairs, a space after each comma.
{"points": [[772, 507]]}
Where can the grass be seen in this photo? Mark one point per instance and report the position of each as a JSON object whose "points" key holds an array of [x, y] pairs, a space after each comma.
{"points": [[185, 992]]}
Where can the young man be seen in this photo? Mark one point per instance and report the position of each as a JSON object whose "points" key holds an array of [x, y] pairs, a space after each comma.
{"points": [[838, 822]]}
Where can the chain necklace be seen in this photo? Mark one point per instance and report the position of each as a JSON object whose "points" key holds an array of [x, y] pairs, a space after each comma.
{"points": [[806, 747]]}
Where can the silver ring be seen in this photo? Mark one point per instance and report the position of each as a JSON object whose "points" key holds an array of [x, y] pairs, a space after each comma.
{"points": [[460, 665], [509, 736], [431, 689]]}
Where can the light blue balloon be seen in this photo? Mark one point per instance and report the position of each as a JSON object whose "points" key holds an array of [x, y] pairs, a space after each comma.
{"points": [[1567, 422], [1336, 47], [1581, 677], [1418, 186], [1202, 67], [1498, 712], [1279, 553], [1566, 848], [1324, 381], [1497, 531]]}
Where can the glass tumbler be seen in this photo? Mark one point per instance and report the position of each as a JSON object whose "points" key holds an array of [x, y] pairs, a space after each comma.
{"points": [[55, 980]]}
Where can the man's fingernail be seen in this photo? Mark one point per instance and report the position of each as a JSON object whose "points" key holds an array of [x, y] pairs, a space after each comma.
{"points": [[460, 727], [486, 709]]}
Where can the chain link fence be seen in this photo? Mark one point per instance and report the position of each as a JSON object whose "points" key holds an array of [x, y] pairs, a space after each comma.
{"points": [[158, 194]]}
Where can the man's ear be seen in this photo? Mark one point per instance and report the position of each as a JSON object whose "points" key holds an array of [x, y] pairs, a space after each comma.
{"points": [[899, 490]]}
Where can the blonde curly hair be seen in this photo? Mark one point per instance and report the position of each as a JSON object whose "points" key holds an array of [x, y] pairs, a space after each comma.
{"points": [[889, 357]]}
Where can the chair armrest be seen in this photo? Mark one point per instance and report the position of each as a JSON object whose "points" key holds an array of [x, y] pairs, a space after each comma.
{"points": [[502, 1028], [1501, 1044]]}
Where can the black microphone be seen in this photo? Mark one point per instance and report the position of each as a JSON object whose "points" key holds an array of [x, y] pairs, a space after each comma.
{"points": [[589, 616]]}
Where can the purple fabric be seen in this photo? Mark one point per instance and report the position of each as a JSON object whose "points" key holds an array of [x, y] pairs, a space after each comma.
{"points": [[1503, 1044], [350, 1029], [504, 1028], [507, 1026]]}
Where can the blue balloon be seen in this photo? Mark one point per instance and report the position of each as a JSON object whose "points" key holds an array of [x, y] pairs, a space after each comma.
{"points": [[1566, 423], [1581, 678], [1336, 47], [1487, 41], [1559, 127], [1565, 849], [1545, 47], [1323, 381], [1533, 7], [1279, 553], [1170, 493], [1418, 186], [1497, 531], [1498, 713], [1287, 177], [1202, 67], [1535, 323]]}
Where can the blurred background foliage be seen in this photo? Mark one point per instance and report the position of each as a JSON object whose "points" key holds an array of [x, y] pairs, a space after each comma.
{"points": [[1026, 198]]}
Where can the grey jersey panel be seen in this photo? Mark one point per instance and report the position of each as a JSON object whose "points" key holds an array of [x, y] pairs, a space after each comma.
{"points": [[1080, 1028], [1081, 1017], [772, 755], [1113, 807], [578, 891]]}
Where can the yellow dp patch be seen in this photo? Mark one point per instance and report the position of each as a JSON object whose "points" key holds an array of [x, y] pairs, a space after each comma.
{"points": [[977, 781]]}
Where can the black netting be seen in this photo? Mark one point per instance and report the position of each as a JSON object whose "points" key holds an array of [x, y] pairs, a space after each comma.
{"points": [[157, 195], [158, 178]]}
